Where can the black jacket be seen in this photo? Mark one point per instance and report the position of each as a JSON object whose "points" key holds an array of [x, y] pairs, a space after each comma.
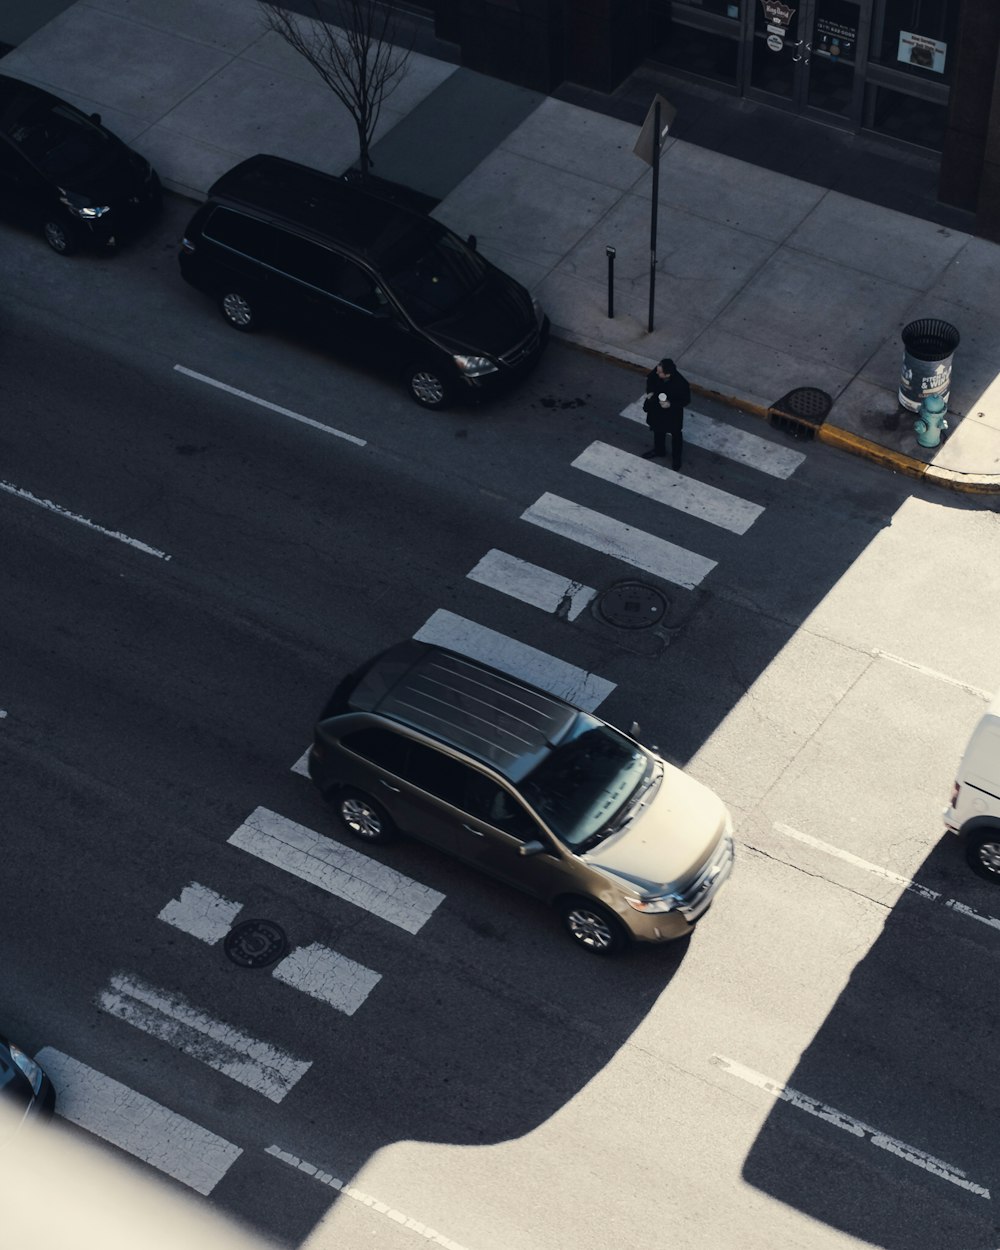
{"points": [[678, 392]]}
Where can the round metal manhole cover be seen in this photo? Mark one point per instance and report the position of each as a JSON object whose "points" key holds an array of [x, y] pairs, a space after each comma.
{"points": [[256, 943], [632, 605]]}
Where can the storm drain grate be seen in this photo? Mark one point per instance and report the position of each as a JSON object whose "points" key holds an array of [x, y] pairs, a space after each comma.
{"points": [[801, 412], [632, 605], [256, 943]]}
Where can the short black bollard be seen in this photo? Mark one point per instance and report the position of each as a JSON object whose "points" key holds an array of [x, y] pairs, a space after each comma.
{"points": [[611, 280]]}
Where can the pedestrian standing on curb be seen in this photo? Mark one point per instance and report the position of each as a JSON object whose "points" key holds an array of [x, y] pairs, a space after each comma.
{"points": [[667, 395]]}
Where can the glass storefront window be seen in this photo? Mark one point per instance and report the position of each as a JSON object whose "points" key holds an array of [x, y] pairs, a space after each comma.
{"points": [[917, 37], [723, 8], [906, 117], [701, 52]]}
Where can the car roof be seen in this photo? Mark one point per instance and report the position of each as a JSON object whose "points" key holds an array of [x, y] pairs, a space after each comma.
{"points": [[319, 202], [467, 705]]}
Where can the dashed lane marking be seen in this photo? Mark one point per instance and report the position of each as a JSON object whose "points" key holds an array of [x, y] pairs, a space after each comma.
{"points": [[59, 510], [337, 869], [138, 1125], [566, 681], [170, 1018], [848, 1124]]}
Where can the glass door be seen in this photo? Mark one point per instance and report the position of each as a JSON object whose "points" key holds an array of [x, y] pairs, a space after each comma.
{"points": [[803, 56]]}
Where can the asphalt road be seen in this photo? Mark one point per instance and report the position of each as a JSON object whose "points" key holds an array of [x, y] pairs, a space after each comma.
{"points": [[807, 1071]]}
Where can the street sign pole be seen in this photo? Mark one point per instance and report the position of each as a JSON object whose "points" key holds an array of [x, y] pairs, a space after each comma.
{"points": [[655, 212]]}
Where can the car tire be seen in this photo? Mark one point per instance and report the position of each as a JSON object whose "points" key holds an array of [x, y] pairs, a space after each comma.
{"points": [[982, 853], [362, 817], [593, 927], [62, 236], [429, 386], [240, 309]]}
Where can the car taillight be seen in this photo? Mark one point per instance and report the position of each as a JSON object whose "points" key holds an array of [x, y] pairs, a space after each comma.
{"points": [[954, 794]]}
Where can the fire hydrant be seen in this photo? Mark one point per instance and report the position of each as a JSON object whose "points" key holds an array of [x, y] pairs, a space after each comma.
{"points": [[931, 422]]}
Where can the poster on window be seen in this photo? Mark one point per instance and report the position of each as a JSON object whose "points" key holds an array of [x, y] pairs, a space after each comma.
{"points": [[922, 52]]}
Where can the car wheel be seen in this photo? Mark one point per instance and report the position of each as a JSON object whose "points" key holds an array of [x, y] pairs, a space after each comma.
{"points": [[982, 853], [60, 236], [428, 386], [239, 310], [593, 927], [363, 817]]}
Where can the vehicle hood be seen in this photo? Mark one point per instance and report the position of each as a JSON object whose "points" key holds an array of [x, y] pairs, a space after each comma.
{"points": [[669, 840], [489, 321], [119, 174]]}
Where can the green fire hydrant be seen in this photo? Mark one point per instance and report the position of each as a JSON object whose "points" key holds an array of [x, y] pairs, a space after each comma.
{"points": [[931, 422]]}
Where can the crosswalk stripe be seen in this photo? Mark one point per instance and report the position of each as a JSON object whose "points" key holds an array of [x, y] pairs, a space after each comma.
{"points": [[337, 869], [575, 685], [169, 1017], [614, 538], [138, 1125], [201, 912], [531, 584], [686, 494], [329, 976], [726, 440]]}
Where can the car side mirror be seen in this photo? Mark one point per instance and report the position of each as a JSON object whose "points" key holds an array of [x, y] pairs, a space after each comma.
{"points": [[95, 118], [471, 240], [531, 848], [634, 730]]}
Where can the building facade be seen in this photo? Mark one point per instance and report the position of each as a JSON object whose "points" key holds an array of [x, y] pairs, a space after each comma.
{"points": [[924, 73]]}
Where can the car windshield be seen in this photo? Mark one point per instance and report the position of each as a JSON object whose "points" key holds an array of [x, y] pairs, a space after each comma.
{"points": [[586, 782], [431, 273], [58, 141]]}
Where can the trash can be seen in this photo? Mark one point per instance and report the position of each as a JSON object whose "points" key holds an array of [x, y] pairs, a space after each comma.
{"points": [[928, 346]]}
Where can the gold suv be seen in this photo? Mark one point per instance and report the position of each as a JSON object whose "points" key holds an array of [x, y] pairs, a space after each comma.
{"points": [[525, 787]]}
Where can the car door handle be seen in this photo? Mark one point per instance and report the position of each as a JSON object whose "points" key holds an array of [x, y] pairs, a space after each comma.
{"points": [[478, 832], [382, 782]]}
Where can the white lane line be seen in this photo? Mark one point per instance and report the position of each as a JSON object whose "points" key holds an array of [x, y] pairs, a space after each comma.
{"points": [[921, 891], [566, 681], [201, 912], [329, 976], [686, 494], [931, 672], [542, 589], [366, 1199], [266, 403], [138, 1125], [727, 440], [614, 538], [170, 1018], [857, 1128], [59, 510], [337, 869]]}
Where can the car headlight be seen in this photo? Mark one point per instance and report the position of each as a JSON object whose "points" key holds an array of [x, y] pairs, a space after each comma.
{"points": [[474, 366], [649, 906], [28, 1066], [87, 211], [537, 309]]}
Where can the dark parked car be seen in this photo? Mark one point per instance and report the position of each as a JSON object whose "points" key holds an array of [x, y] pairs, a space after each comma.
{"points": [[64, 174], [25, 1090], [361, 273]]}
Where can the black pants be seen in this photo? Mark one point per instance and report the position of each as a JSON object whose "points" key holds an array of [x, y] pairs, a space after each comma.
{"points": [[676, 446]]}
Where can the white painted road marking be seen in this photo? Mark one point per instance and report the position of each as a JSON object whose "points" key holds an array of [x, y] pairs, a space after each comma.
{"points": [[143, 1128], [566, 681], [329, 976], [338, 869], [665, 486], [59, 510], [257, 1065], [201, 912], [614, 538], [359, 1195], [727, 440], [531, 584], [914, 887], [266, 403], [857, 1128]]}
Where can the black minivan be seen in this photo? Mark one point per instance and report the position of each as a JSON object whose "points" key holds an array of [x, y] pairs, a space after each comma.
{"points": [[64, 174], [360, 273]]}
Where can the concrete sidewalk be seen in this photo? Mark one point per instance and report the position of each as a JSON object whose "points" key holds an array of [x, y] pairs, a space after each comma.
{"points": [[764, 283]]}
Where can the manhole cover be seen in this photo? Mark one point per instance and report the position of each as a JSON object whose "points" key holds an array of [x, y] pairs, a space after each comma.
{"points": [[256, 943], [632, 605]]}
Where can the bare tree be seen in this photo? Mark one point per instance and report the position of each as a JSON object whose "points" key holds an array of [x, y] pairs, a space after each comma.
{"points": [[352, 46]]}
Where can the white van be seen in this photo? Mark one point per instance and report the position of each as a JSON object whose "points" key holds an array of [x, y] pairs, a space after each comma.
{"points": [[974, 811]]}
